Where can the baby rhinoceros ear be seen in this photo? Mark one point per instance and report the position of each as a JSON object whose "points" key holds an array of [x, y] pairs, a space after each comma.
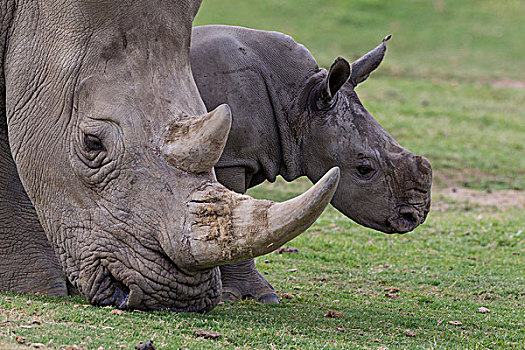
{"points": [[338, 75]]}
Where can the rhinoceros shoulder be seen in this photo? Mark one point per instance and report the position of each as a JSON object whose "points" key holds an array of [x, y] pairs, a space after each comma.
{"points": [[273, 53]]}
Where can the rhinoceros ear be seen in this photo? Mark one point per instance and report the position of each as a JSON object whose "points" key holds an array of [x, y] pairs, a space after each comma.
{"points": [[362, 68], [337, 76]]}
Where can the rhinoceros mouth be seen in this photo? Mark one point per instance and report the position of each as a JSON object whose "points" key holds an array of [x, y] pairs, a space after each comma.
{"points": [[127, 294], [120, 296], [110, 292], [405, 219]]}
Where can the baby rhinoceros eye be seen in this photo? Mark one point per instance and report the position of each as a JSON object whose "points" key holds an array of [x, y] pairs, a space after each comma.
{"points": [[365, 169], [93, 143]]}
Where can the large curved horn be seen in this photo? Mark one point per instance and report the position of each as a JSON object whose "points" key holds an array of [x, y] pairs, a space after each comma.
{"points": [[195, 144], [248, 228], [365, 65]]}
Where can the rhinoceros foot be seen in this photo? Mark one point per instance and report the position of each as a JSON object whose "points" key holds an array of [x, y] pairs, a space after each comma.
{"points": [[243, 281]]}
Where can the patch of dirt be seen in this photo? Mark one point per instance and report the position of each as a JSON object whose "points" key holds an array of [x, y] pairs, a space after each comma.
{"points": [[145, 346], [332, 314], [509, 83], [500, 199], [286, 250], [483, 310], [208, 334], [286, 296], [459, 177], [409, 333]]}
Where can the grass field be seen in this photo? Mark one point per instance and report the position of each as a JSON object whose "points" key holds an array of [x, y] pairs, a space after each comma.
{"points": [[452, 88]]}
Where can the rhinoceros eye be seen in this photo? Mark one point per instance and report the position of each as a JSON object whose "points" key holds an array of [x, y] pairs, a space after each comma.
{"points": [[365, 169], [93, 143], [97, 149]]}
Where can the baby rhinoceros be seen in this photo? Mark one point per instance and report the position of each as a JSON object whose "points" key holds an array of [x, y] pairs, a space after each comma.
{"points": [[293, 118]]}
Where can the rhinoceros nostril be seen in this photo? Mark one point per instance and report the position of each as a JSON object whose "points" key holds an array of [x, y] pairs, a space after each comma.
{"points": [[410, 217], [406, 219], [408, 213]]}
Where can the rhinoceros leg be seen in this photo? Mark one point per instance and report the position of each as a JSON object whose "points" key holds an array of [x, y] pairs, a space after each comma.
{"points": [[28, 263], [242, 280]]}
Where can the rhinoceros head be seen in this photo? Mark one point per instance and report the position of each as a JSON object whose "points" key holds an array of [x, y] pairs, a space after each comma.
{"points": [[383, 186], [115, 150]]}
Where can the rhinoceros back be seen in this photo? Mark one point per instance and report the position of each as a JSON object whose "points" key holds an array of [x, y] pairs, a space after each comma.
{"points": [[260, 75]]}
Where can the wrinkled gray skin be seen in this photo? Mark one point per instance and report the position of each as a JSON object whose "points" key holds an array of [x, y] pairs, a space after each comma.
{"points": [[105, 142], [292, 118]]}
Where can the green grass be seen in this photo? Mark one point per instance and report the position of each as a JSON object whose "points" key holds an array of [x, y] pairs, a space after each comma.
{"points": [[474, 39], [435, 91], [460, 260], [435, 94], [475, 134]]}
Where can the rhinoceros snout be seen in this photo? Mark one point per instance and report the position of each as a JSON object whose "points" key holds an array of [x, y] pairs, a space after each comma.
{"points": [[413, 189], [405, 219], [423, 166]]}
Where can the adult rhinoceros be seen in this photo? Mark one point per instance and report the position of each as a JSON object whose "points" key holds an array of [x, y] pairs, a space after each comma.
{"points": [[102, 129], [292, 118]]}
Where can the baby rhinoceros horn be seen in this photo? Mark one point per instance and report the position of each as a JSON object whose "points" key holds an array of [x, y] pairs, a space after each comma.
{"points": [[195, 144], [362, 68]]}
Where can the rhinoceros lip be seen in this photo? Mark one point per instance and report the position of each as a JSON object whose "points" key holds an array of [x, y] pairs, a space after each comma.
{"points": [[121, 297], [405, 219], [111, 292]]}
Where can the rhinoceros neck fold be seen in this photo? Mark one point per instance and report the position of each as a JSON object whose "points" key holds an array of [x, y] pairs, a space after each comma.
{"points": [[291, 118]]}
